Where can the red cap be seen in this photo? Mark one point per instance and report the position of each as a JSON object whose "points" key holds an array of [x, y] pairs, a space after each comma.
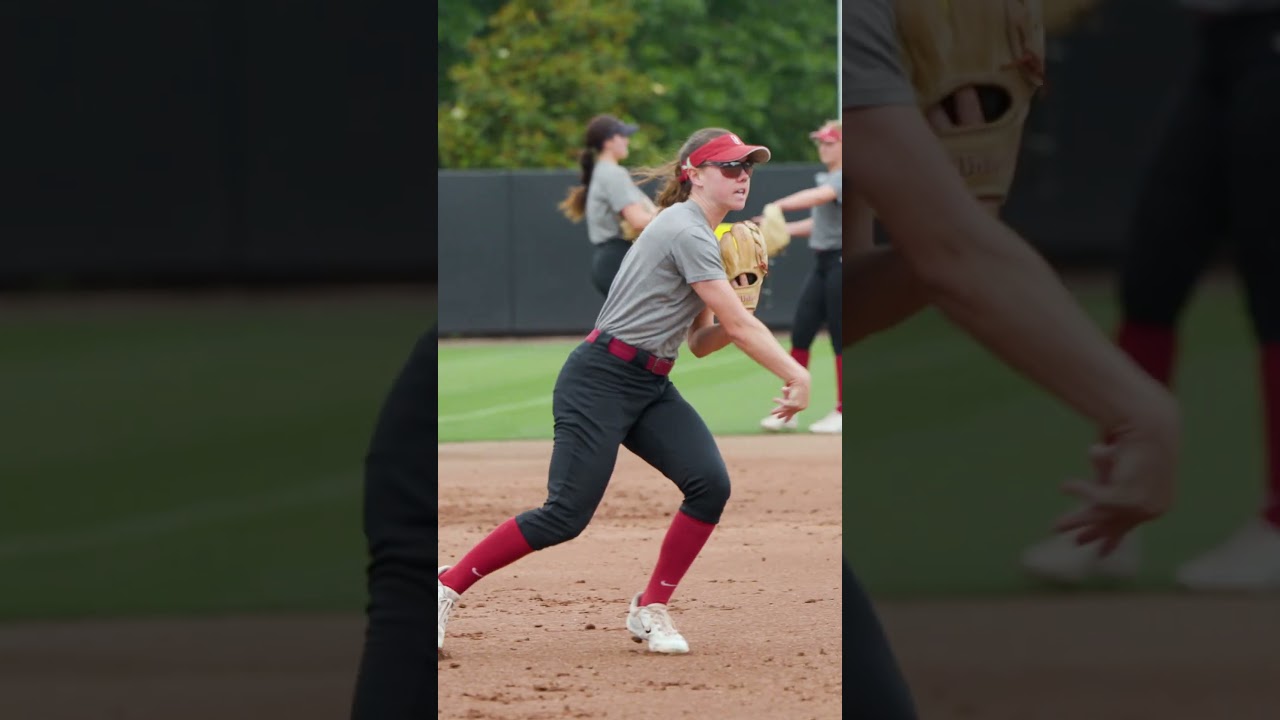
{"points": [[828, 133], [725, 148]]}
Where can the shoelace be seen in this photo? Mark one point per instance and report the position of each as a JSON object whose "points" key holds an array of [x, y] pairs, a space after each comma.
{"points": [[661, 621], [446, 607]]}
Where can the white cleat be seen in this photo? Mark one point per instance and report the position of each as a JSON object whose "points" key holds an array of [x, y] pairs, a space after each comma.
{"points": [[1058, 559], [445, 600], [832, 424], [652, 624], [1249, 560], [774, 423]]}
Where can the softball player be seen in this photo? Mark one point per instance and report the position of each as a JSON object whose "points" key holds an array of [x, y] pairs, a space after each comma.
{"points": [[1212, 179], [820, 300], [614, 391], [947, 247], [607, 197]]}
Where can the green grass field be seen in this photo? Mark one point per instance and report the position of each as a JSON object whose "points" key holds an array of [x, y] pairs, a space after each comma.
{"points": [[206, 457], [503, 391]]}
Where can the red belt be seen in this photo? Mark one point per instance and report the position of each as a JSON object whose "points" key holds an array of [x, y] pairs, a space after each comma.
{"points": [[632, 354]]}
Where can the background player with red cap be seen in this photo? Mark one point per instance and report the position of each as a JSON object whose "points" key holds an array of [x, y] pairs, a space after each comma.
{"points": [[820, 298], [614, 391]]}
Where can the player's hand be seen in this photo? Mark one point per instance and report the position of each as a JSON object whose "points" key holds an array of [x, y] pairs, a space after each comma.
{"points": [[1133, 483], [795, 398], [742, 280]]}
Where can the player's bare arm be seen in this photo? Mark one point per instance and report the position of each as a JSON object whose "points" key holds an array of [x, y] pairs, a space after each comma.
{"points": [[800, 228], [639, 214], [705, 336], [750, 335], [881, 290], [989, 281], [807, 198]]}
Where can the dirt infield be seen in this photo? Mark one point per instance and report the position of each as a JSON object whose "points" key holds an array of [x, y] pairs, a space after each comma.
{"points": [[761, 609]]}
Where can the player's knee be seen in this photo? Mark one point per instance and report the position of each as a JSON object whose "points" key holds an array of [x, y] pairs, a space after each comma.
{"points": [[707, 493], [550, 526]]}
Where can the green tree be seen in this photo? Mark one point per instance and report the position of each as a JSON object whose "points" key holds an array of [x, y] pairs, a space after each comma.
{"points": [[457, 21], [534, 79], [541, 68], [766, 70]]}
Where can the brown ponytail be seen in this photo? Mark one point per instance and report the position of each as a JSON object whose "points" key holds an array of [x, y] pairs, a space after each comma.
{"points": [[574, 205]]}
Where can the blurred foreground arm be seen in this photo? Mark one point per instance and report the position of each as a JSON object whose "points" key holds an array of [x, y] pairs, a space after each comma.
{"points": [[989, 281]]}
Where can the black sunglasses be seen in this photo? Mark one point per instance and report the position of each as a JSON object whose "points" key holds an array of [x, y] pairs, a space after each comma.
{"points": [[733, 169]]}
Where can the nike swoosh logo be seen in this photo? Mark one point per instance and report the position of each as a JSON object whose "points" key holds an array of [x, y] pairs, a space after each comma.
{"points": [[476, 573], [664, 583]]}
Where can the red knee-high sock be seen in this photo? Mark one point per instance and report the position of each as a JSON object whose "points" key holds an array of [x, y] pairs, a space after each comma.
{"points": [[839, 383], [1271, 428], [1152, 347], [680, 547], [801, 356], [503, 546]]}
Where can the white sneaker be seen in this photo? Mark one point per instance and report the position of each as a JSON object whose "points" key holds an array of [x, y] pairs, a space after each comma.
{"points": [[829, 425], [1248, 560], [1058, 559], [774, 423], [652, 623], [445, 600]]}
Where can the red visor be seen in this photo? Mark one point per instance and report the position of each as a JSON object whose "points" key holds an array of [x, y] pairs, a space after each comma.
{"points": [[831, 133], [725, 148]]}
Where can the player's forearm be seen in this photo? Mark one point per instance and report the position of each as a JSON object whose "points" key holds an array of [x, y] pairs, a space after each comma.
{"points": [[800, 228], [803, 199], [708, 339], [990, 282], [880, 291], [755, 340]]}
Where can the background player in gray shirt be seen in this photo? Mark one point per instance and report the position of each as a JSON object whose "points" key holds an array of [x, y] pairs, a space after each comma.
{"points": [[989, 281], [606, 197], [614, 391], [819, 303]]}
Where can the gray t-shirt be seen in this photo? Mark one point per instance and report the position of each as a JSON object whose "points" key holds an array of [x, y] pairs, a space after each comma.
{"points": [[650, 304], [873, 73], [828, 225], [611, 190]]}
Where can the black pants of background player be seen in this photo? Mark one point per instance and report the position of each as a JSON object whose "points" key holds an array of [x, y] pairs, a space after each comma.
{"points": [[1214, 177], [606, 258], [1212, 184], [400, 529], [874, 687], [820, 303]]}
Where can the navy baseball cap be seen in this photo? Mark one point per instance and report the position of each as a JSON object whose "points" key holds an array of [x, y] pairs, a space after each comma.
{"points": [[606, 126]]}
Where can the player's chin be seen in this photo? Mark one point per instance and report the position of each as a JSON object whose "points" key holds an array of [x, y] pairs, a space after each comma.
{"points": [[738, 201]]}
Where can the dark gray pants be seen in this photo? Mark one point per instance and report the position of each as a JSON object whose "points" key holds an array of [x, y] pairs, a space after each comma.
{"points": [[820, 303], [400, 529], [1213, 179], [874, 687], [601, 403]]}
